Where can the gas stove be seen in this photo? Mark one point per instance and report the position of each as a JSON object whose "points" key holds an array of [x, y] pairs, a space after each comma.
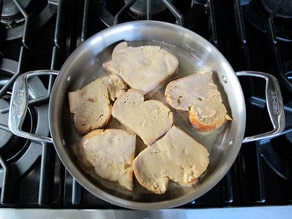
{"points": [[251, 34]]}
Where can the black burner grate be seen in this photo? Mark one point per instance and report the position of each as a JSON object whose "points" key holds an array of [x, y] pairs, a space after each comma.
{"points": [[261, 174]]}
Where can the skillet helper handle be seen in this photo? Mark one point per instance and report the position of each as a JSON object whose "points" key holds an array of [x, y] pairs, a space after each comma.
{"points": [[274, 104], [19, 105]]}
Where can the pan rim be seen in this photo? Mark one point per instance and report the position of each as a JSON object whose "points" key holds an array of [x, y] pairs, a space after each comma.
{"points": [[102, 37]]}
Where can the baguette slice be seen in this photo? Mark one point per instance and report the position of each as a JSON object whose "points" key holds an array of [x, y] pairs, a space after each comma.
{"points": [[110, 152], [144, 68], [180, 157], [199, 95], [90, 106], [148, 119]]}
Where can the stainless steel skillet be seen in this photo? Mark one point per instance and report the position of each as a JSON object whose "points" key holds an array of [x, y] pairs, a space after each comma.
{"points": [[194, 53]]}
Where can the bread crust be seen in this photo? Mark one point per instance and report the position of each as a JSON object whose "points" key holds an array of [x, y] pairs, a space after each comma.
{"points": [[90, 106], [199, 96], [207, 124]]}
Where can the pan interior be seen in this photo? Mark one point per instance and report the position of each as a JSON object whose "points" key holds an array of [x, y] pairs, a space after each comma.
{"points": [[194, 54]]}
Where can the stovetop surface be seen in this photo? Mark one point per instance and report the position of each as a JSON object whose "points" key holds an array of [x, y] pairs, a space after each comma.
{"points": [[250, 37]]}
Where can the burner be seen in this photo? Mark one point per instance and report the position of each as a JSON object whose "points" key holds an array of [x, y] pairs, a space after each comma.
{"points": [[274, 167], [14, 17], [11, 14], [10, 9], [140, 8], [21, 153], [112, 12], [259, 12], [5, 135], [283, 144], [11, 147], [285, 7]]}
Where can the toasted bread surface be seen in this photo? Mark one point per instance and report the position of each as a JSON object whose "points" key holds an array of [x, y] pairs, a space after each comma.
{"points": [[176, 156], [110, 153], [144, 68], [149, 119], [90, 106]]}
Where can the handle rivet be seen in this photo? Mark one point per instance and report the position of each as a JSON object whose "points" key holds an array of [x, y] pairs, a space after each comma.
{"points": [[224, 78]]}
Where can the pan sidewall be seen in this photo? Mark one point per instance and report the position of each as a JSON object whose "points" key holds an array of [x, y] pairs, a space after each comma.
{"points": [[76, 72]]}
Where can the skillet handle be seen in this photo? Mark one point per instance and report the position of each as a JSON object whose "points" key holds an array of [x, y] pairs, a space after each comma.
{"points": [[19, 103], [274, 104]]}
